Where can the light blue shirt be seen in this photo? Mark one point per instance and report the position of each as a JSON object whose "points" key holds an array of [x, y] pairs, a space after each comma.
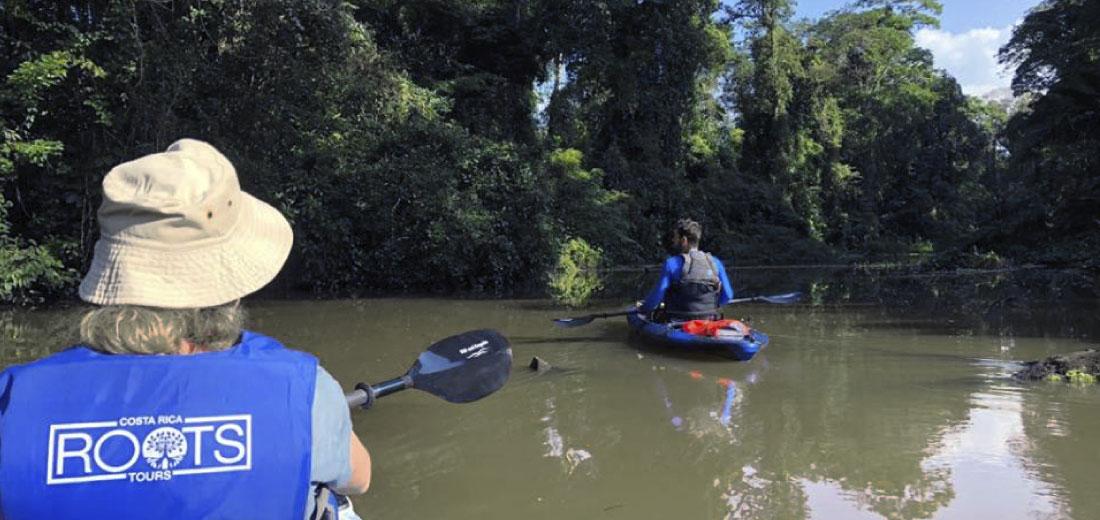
{"points": [[331, 462]]}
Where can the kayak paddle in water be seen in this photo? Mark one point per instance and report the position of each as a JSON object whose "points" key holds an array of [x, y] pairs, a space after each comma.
{"points": [[585, 320], [786, 298], [459, 369], [791, 297]]}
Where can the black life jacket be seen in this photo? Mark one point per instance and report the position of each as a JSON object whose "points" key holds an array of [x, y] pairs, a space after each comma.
{"points": [[695, 294]]}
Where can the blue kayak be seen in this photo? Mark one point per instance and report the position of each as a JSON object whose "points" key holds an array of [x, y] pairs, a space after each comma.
{"points": [[741, 346]]}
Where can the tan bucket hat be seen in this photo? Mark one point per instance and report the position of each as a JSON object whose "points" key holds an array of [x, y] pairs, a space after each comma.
{"points": [[176, 231]]}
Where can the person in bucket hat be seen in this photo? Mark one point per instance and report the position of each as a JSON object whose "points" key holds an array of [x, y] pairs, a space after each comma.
{"points": [[176, 231], [168, 408]]}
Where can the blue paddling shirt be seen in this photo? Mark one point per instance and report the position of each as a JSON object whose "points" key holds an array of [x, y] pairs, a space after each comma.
{"points": [[214, 435]]}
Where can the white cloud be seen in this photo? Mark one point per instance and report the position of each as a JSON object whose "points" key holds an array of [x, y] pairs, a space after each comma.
{"points": [[971, 57]]}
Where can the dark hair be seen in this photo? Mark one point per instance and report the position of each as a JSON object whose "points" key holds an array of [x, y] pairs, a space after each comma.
{"points": [[689, 229]]}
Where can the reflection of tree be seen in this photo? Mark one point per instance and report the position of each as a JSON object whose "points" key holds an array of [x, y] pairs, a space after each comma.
{"points": [[1059, 422], [749, 494], [557, 446], [27, 335], [920, 499], [837, 415]]}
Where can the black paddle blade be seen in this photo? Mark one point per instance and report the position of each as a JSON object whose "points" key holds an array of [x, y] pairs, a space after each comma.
{"points": [[465, 367]]}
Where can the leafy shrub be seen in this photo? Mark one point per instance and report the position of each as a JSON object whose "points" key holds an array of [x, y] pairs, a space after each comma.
{"points": [[1080, 377], [29, 274], [583, 207]]}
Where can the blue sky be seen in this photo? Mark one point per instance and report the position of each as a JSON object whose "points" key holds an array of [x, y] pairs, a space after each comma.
{"points": [[958, 15], [966, 43]]}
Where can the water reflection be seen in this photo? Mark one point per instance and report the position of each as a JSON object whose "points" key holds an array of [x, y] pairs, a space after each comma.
{"points": [[865, 436], [853, 411], [987, 466], [571, 457], [1058, 445], [662, 392], [27, 335]]}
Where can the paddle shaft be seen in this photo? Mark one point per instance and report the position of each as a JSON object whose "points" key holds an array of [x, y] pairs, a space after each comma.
{"points": [[612, 314], [362, 395], [633, 311], [584, 320]]}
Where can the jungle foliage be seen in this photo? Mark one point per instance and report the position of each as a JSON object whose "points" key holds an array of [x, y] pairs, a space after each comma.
{"points": [[459, 145]]}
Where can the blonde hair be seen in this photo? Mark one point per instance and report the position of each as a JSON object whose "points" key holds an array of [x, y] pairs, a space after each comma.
{"points": [[133, 329]]}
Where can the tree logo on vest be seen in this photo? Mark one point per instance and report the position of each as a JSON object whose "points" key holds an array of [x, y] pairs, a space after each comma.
{"points": [[148, 448], [164, 448]]}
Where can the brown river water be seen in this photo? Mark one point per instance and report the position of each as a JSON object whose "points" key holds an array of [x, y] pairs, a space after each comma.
{"points": [[855, 410]]}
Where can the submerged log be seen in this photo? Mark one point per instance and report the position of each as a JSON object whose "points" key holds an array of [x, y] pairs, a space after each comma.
{"points": [[539, 365], [1067, 366]]}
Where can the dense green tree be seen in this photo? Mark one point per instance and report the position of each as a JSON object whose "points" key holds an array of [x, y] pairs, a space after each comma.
{"points": [[316, 118], [636, 72], [871, 149], [775, 53], [776, 105], [54, 114], [482, 56], [472, 139], [1053, 194], [912, 155]]}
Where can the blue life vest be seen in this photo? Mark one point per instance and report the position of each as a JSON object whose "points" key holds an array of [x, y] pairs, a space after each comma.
{"points": [[214, 435]]}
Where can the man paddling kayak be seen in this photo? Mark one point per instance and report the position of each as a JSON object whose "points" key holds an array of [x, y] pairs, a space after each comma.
{"points": [[693, 283], [168, 409]]}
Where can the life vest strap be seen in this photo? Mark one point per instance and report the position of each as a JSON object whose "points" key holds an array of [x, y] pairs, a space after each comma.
{"points": [[326, 505]]}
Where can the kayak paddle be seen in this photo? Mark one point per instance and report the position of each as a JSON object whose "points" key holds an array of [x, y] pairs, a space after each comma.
{"points": [[792, 297], [460, 369], [585, 320]]}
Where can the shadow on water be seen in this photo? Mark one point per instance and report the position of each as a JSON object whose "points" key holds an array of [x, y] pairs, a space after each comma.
{"points": [[654, 348], [1024, 302], [547, 340], [521, 375], [927, 357], [903, 324], [26, 335], [548, 305], [923, 357]]}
